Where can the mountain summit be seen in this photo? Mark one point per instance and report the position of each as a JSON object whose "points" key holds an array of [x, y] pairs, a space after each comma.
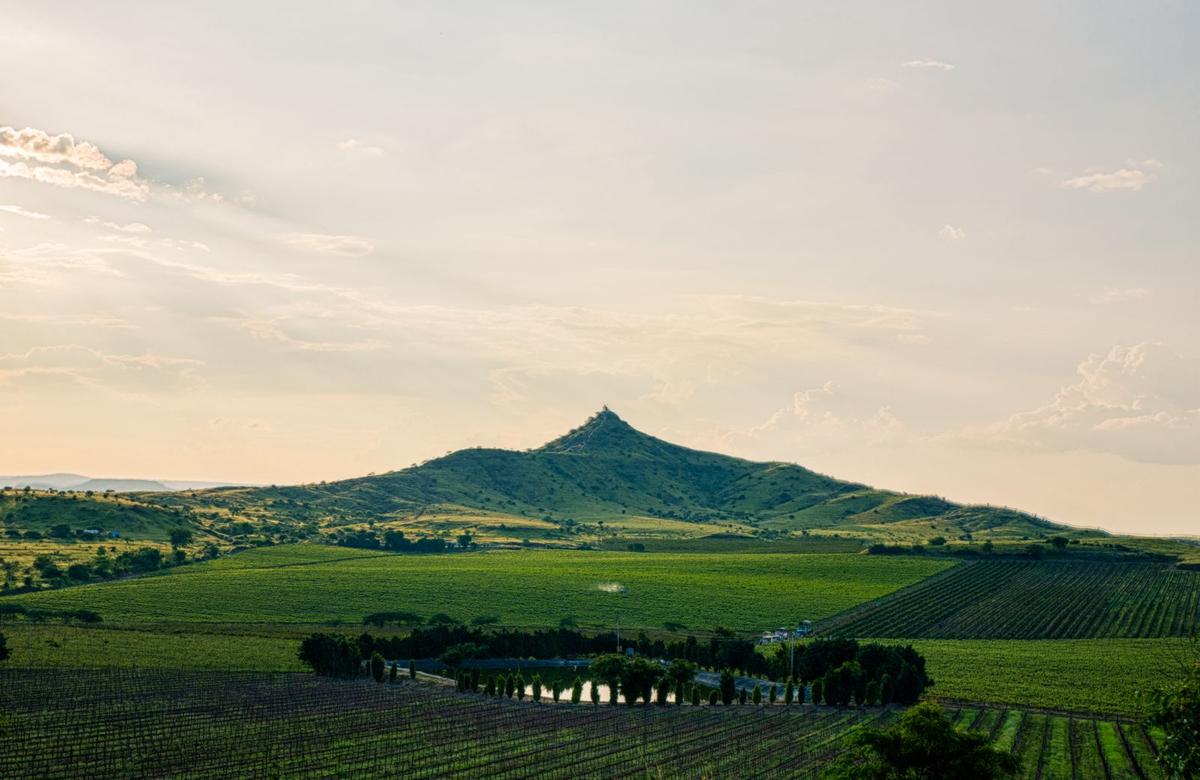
{"points": [[607, 472]]}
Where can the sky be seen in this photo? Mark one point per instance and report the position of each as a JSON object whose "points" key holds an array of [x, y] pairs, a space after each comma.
{"points": [[930, 246]]}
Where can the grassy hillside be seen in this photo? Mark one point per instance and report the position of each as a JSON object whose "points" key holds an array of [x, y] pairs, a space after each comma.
{"points": [[315, 584], [605, 478]]}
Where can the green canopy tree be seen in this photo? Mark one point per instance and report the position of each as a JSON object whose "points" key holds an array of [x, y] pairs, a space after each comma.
{"points": [[922, 745], [1177, 713]]}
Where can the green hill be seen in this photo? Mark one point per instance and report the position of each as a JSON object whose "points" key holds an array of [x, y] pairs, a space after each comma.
{"points": [[607, 478]]}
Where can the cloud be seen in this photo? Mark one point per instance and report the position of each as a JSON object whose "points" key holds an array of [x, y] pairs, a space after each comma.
{"points": [[358, 148], [132, 227], [951, 233], [1132, 178], [928, 64], [1119, 295], [23, 212], [62, 161], [125, 375], [1141, 402], [826, 417], [323, 243]]}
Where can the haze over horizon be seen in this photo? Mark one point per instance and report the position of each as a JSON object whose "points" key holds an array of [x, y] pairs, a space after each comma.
{"points": [[957, 256]]}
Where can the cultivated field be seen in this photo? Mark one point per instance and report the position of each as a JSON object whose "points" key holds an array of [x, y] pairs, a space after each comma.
{"points": [[1015, 599], [316, 584], [201, 725]]}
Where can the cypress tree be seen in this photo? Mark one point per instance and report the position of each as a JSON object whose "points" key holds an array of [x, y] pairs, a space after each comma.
{"points": [[680, 692], [742, 696], [695, 695], [594, 692], [556, 690], [885, 690], [789, 693], [872, 693], [392, 673], [490, 688], [663, 691], [510, 686], [712, 698], [535, 685], [519, 687], [817, 691], [412, 671], [728, 689], [829, 684], [474, 681], [576, 691], [757, 697], [377, 666]]}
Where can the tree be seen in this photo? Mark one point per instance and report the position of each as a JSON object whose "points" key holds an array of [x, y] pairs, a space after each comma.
{"points": [[180, 537], [464, 539], [742, 696], [662, 691], [922, 745], [378, 664], [392, 672], [594, 692], [412, 671], [1059, 542], [331, 655], [519, 687], [1177, 712], [757, 694], [576, 690], [4, 653], [535, 687], [789, 693], [774, 693], [818, 691], [695, 695], [680, 693], [872, 693], [886, 691], [728, 687], [556, 690], [608, 668], [712, 698], [829, 684]]}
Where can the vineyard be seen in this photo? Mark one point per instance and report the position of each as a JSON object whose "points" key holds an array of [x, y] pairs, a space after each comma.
{"points": [[207, 725], [1018, 599]]}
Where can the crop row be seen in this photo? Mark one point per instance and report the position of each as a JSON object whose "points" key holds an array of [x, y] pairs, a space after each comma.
{"points": [[208, 725], [1010, 599]]}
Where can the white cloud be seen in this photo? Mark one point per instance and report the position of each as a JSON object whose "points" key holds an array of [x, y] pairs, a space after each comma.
{"points": [[951, 233], [1131, 178], [23, 212], [132, 227], [928, 64], [345, 246], [1141, 402], [1119, 295], [356, 147], [62, 161]]}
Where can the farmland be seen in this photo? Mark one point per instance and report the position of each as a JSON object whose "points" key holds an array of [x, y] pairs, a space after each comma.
{"points": [[198, 725], [1017, 599], [316, 584]]}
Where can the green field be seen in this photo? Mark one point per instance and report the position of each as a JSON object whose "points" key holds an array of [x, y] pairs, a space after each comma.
{"points": [[1087, 675], [315, 584], [1018, 599], [123, 723]]}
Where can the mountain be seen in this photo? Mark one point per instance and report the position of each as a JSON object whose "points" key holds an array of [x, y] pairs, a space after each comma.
{"points": [[99, 485], [607, 473]]}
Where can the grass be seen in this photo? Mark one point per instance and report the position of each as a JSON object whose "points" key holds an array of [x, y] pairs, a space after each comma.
{"points": [[1021, 599], [1087, 675], [316, 584], [75, 647]]}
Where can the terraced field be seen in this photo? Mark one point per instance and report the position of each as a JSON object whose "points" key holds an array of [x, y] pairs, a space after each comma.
{"points": [[1015, 599], [315, 584], [209, 725]]}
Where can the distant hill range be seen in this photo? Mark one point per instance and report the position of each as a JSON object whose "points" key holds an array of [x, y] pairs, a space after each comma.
{"points": [[99, 485], [605, 470]]}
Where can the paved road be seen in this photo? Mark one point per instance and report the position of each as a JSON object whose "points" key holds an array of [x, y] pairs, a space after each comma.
{"points": [[713, 680]]}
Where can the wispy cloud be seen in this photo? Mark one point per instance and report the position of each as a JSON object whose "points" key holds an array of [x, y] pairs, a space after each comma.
{"points": [[928, 64], [328, 244], [1133, 177], [62, 161], [23, 212], [131, 227], [360, 149], [1119, 295]]}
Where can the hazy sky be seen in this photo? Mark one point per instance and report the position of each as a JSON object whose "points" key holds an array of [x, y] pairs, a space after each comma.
{"points": [[931, 246]]}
